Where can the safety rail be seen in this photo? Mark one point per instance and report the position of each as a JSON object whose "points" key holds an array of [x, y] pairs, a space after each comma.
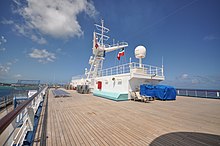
{"points": [[117, 44], [199, 93], [149, 69], [21, 119], [6, 100], [126, 68], [121, 69]]}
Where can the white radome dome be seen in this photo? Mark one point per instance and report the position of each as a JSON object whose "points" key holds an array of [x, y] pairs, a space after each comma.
{"points": [[140, 52]]}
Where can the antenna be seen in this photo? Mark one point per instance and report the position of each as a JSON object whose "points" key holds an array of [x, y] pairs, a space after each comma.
{"points": [[140, 52], [162, 66], [99, 49]]}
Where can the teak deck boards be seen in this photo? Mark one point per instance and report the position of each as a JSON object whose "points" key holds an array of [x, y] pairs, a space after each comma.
{"points": [[84, 119]]}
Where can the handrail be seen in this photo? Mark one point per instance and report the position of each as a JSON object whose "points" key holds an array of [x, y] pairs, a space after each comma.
{"points": [[199, 93], [7, 119], [210, 90], [126, 68]]}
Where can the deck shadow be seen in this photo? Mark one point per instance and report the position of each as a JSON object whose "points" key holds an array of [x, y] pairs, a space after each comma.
{"points": [[187, 138]]}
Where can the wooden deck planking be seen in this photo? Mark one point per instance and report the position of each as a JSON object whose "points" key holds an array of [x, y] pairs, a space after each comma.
{"points": [[49, 128], [39, 129], [89, 120]]}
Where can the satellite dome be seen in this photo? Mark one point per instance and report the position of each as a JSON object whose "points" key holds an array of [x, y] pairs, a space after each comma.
{"points": [[140, 52]]}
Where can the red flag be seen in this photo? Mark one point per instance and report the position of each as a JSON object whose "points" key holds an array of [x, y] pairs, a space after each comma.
{"points": [[96, 43], [121, 53]]}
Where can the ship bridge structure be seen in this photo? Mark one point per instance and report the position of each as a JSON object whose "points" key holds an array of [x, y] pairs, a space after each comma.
{"points": [[115, 82]]}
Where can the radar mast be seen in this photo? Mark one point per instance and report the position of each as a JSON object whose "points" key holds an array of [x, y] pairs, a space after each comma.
{"points": [[100, 49]]}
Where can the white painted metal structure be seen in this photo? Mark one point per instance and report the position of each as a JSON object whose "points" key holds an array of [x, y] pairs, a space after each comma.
{"points": [[15, 133], [99, 50], [118, 79]]}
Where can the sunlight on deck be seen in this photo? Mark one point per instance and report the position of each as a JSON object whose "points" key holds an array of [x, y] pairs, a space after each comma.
{"points": [[88, 120]]}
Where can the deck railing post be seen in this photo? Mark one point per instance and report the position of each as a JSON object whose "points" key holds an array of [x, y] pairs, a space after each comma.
{"points": [[5, 101], [217, 94], [195, 93], [30, 111], [123, 69]]}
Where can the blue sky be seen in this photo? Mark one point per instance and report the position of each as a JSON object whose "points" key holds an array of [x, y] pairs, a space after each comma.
{"points": [[51, 40]]}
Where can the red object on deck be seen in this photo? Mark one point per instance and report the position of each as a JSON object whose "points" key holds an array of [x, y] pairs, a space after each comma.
{"points": [[99, 85]]}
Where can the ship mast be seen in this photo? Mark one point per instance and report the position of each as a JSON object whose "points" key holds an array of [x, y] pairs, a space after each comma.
{"points": [[99, 50]]}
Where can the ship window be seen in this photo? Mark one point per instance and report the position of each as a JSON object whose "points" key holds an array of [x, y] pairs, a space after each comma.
{"points": [[119, 81]]}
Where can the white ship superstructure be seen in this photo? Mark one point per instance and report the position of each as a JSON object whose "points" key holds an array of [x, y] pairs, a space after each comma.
{"points": [[116, 82]]}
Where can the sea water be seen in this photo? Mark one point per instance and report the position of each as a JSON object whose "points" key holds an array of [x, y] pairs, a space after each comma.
{"points": [[6, 91]]}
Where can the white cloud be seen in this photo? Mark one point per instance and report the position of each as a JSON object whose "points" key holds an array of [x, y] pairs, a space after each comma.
{"points": [[4, 69], [23, 30], [40, 40], [2, 41], [42, 55], [184, 76], [188, 79], [17, 76], [195, 82], [58, 50], [8, 63], [210, 38], [2, 49], [15, 60], [7, 21], [53, 17]]}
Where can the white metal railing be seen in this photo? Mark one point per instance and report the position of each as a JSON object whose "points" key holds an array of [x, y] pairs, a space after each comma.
{"points": [[199, 93], [24, 121], [120, 69], [149, 69], [114, 45], [21, 133], [6, 101], [127, 68]]}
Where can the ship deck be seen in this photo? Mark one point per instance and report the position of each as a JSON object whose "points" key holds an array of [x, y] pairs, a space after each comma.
{"points": [[83, 119]]}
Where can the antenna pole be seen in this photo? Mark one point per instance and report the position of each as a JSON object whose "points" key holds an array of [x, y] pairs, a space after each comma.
{"points": [[102, 32], [140, 62], [162, 66]]}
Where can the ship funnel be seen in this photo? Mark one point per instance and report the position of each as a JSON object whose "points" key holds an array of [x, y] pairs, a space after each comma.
{"points": [[140, 52]]}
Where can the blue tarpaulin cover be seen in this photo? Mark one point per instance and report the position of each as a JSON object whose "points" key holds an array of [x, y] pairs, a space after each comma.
{"points": [[162, 92]]}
